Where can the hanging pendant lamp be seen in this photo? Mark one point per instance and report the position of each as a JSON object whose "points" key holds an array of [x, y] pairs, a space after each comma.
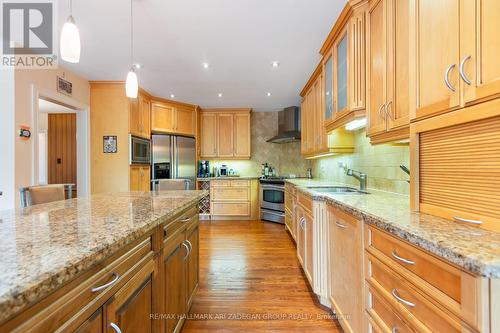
{"points": [[131, 85], [69, 43]]}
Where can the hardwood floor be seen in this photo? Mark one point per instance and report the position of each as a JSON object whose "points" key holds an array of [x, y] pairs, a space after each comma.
{"points": [[251, 281]]}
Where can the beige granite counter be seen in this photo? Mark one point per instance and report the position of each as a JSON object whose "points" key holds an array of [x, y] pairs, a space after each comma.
{"points": [[475, 250], [227, 177], [44, 246]]}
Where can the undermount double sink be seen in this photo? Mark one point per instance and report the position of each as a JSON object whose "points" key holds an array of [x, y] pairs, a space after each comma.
{"points": [[336, 190]]}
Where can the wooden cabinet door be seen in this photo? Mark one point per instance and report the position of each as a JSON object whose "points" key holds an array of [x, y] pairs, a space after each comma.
{"points": [[376, 52], [129, 310], [480, 49], [322, 142], [192, 265], [398, 91], [346, 260], [175, 285], [309, 246], [145, 114], [328, 89], [242, 135], [135, 179], [93, 324], [301, 235], [436, 31], [145, 179], [162, 118], [134, 126], [341, 75], [185, 121], [311, 121], [225, 135], [303, 126], [208, 134]]}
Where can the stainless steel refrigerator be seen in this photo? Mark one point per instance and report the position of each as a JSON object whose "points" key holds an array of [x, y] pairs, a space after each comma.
{"points": [[174, 157]]}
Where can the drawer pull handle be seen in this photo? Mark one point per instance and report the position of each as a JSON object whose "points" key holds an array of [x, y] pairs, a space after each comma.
{"points": [[402, 300], [184, 220], [462, 73], [116, 276], [190, 246], [115, 327], [406, 261], [340, 225], [187, 250], [461, 219], [447, 78]]}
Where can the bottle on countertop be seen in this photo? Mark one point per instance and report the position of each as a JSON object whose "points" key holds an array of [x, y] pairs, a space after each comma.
{"points": [[266, 170]]}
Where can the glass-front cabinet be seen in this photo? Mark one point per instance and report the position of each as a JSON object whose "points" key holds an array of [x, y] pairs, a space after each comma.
{"points": [[328, 91], [341, 74]]}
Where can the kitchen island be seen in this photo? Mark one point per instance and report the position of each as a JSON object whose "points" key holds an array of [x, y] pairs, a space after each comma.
{"points": [[77, 264]]}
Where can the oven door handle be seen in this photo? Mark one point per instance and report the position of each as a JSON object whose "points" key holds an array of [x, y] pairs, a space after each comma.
{"points": [[273, 187]]}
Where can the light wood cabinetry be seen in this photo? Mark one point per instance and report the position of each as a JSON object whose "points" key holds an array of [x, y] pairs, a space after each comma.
{"points": [[140, 115], [346, 264], [388, 75], [305, 235], [234, 199], [140, 178], [225, 134], [290, 214], [173, 117], [406, 284], [193, 263]]}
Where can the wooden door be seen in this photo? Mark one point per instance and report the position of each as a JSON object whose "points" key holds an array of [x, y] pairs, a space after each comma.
{"points": [[185, 121], [242, 135], [175, 286], [346, 260], [145, 113], [208, 134], [436, 31], [309, 247], [192, 265], [62, 149], [135, 118], [398, 91], [480, 49], [162, 118], [376, 52], [225, 135], [93, 324], [129, 310]]}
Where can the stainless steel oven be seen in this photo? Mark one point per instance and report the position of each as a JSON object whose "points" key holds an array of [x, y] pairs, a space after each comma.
{"points": [[272, 200], [140, 150]]}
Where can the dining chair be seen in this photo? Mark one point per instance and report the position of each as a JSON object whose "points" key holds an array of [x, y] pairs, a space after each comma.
{"points": [[39, 194]]}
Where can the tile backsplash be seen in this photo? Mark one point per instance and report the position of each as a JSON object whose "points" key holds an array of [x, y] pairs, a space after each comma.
{"points": [[285, 158], [380, 163]]}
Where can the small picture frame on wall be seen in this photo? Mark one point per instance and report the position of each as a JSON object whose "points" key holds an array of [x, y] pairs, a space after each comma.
{"points": [[64, 86], [109, 144]]}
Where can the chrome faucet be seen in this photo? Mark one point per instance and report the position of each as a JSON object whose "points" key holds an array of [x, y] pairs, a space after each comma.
{"points": [[359, 176]]}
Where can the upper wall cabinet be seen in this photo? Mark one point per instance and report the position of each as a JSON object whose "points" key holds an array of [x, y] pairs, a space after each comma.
{"points": [[387, 71], [140, 116], [225, 134], [173, 117], [454, 56], [344, 66]]}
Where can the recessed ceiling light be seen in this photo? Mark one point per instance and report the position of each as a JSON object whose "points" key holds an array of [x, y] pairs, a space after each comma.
{"points": [[219, 95], [172, 96], [275, 64], [268, 94], [205, 65], [138, 66]]}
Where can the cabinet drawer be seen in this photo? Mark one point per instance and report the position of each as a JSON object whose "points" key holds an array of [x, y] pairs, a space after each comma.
{"points": [[220, 183], [240, 183], [437, 273], [383, 314], [231, 208], [231, 194], [305, 201], [177, 224], [408, 302]]}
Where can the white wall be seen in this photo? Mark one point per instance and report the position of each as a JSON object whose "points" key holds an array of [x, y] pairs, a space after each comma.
{"points": [[7, 140]]}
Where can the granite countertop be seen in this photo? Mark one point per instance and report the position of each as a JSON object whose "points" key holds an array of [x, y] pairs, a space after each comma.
{"points": [[227, 177], [45, 246], [475, 250]]}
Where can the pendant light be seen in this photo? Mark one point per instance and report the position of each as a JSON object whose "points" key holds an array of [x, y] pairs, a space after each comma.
{"points": [[69, 43], [131, 85]]}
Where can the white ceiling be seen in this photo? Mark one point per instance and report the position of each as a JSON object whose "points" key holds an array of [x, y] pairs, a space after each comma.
{"points": [[238, 38]]}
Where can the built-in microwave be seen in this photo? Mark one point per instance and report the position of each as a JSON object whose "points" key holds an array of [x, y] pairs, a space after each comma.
{"points": [[140, 150]]}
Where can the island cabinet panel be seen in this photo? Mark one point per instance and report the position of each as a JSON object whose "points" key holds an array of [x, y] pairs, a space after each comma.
{"points": [[346, 262], [129, 310], [192, 238], [93, 324]]}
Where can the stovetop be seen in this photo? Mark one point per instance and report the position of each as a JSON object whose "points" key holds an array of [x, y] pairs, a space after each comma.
{"points": [[273, 180]]}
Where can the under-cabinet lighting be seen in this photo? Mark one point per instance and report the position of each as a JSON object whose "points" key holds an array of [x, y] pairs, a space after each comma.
{"points": [[356, 124], [320, 155]]}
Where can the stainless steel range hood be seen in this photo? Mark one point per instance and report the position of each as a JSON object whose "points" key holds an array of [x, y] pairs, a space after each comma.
{"points": [[288, 126]]}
